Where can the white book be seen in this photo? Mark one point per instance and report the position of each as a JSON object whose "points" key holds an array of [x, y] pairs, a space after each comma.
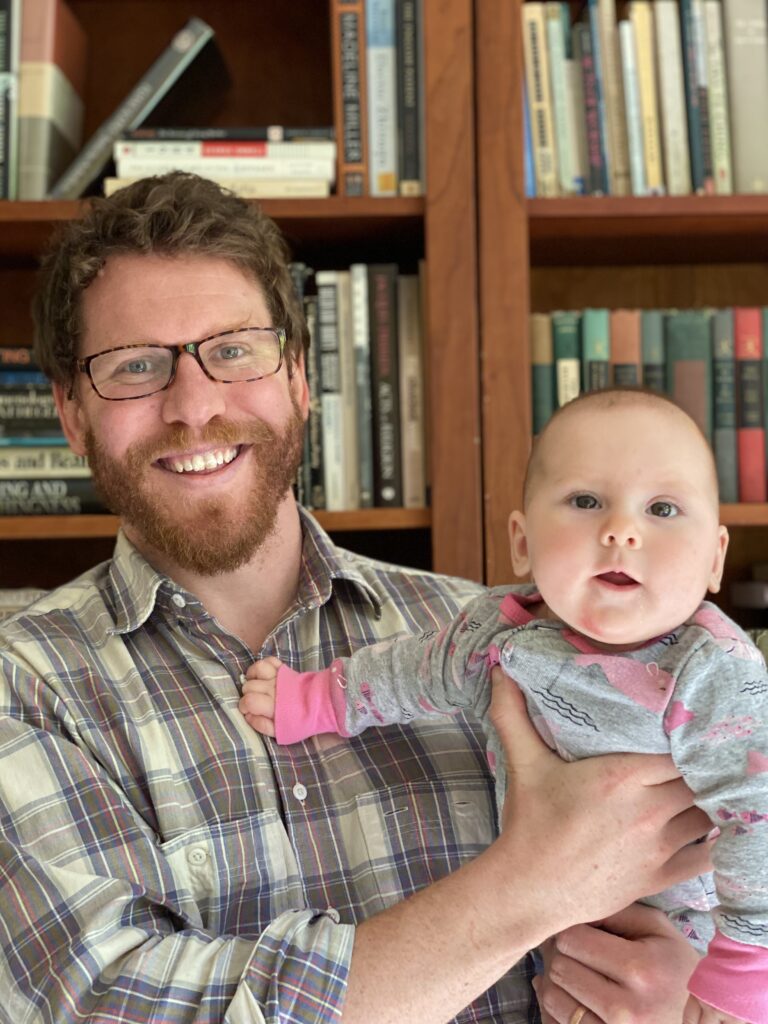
{"points": [[632, 104], [746, 59], [539, 98], [719, 116], [381, 71], [250, 188], [332, 417], [361, 344], [577, 125], [674, 121], [229, 167], [641, 15], [411, 382], [564, 143], [351, 471], [165, 149], [613, 95]]}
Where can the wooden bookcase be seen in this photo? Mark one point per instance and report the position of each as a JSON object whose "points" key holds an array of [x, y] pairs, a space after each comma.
{"points": [[279, 57], [545, 254]]}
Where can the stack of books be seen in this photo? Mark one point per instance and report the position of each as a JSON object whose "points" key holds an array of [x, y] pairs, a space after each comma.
{"points": [[670, 98], [712, 362], [256, 163], [39, 474]]}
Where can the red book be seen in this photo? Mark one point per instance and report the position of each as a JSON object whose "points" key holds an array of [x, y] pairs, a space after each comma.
{"points": [[750, 415]]}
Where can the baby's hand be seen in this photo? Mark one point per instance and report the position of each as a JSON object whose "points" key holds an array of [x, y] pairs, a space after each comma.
{"points": [[257, 705], [700, 1013]]}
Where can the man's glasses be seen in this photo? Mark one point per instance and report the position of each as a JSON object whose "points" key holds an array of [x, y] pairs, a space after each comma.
{"points": [[232, 357]]}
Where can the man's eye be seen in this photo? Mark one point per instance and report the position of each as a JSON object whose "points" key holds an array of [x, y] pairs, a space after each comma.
{"points": [[664, 509], [585, 501], [134, 368]]}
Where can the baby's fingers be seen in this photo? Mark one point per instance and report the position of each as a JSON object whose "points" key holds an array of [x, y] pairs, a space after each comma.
{"points": [[266, 668], [258, 708]]}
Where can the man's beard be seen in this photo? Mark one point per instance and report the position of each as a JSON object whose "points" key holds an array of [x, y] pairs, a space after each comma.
{"points": [[202, 536]]}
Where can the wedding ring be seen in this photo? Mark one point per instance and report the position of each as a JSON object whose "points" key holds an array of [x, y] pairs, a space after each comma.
{"points": [[577, 1014]]}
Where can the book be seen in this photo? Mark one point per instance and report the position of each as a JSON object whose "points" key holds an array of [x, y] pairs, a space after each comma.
{"points": [[597, 169], [411, 387], [724, 405], [719, 116], [250, 188], [674, 128], [242, 133], [749, 593], [558, 28], [566, 354], [51, 89], [641, 17], [688, 346], [234, 167], [17, 356], [542, 370], [314, 472], [577, 126], [626, 348], [361, 344], [529, 169], [381, 72], [750, 416], [350, 94], [696, 94], [746, 59], [26, 378], [187, 80], [59, 496], [125, 150], [595, 349], [603, 19], [385, 377], [539, 97], [410, 96], [652, 349], [42, 461], [10, 45], [632, 107]]}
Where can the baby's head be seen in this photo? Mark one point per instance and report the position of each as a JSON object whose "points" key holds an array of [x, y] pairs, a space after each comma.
{"points": [[620, 523]]}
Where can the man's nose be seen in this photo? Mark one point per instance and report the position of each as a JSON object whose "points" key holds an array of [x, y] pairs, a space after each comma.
{"points": [[193, 398]]}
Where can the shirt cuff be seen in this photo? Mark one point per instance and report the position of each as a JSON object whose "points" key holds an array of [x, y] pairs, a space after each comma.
{"points": [[308, 703], [732, 977]]}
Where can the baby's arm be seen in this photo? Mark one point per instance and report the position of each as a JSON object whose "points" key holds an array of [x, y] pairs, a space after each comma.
{"points": [[257, 705]]}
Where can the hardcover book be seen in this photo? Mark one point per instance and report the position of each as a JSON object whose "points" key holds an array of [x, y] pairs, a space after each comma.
{"points": [[724, 405], [746, 52], [381, 72], [750, 415], [385, 376], [688, 343], [350, 94]]}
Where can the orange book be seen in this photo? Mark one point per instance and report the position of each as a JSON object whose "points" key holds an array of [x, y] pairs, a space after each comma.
{"points": [[626, 348], [750, 415], [350, 104]]}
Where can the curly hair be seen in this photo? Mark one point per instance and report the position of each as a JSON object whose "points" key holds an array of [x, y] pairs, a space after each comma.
{"points": [[176, 214]]}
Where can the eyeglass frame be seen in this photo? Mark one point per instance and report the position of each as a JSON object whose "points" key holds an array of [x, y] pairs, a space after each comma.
{"points": [[191, 348]]}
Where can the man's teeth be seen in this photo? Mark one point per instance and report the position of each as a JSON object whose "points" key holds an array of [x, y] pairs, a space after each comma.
{"points": [[198, 463]]}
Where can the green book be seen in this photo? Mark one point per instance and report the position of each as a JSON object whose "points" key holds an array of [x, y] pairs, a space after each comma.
{"points": [[542, 370], [595, 349], [724, 404], [652, 343], [566, 347], [688, 343]]}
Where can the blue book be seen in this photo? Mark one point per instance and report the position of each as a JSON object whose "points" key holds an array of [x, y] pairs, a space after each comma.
{"points": [[24, 378], [724, 405], [530, 170]]}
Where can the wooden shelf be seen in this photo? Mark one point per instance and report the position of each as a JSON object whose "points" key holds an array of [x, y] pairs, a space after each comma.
{"points": [[584, 230], [744, 515], [90, 526]]}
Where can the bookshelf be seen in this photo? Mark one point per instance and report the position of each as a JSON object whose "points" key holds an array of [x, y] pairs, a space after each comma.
{"points": [[279, 58], [543, 254]]}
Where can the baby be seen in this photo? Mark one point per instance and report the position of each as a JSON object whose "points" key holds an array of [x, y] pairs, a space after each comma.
{"points": [[615, 651]]}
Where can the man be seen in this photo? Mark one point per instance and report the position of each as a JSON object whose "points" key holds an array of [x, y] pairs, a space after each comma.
{"points": [[160, 861]]}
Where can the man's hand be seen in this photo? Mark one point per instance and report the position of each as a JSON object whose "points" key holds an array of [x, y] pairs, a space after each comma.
{"points": [[633, 967], [597, 834], [257, 705]]}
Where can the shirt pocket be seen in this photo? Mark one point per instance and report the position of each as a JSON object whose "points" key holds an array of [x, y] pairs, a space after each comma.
{"points": [[234, 877], [413, 835]]}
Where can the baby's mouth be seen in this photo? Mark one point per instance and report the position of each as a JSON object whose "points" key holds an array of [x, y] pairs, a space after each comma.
{"points": [[617, 579]]}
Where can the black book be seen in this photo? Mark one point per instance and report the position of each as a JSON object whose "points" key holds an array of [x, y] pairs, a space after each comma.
{"points": [[385, 385]]}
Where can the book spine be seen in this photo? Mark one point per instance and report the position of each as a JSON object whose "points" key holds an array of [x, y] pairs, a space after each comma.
{"points": [[41, 461], [330, 377], [411, 385], [314, 480], [23, 378], [529, 168], [349, 444], [724, 405], [691, 36], [652, 349], [10, 44], [577, 126], [235, 167], [387, 464], [49, 496], [566, 347], [147, 150], [553, 15], [12, 356], [672, 97], [641, 16], [746, 60], [595, 349], [597, 176], [382, 97], [613, 95], [245, 133], [21, 403], [539, 98], [350, 99], [145, 95], [361, 343], [542, 370], [410, 69], [750, 417], [719, 118], [688, 343], [626, 348], [632, 104]]}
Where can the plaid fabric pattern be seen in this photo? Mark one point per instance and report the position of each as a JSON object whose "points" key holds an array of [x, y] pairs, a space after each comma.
{"points": [[159, 861]]}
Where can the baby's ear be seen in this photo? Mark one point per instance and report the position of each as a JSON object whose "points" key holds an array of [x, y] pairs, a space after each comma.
{"points": [[518, 542], [717, 566]]}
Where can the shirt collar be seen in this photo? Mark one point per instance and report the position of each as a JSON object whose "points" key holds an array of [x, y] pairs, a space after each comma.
{"points": [[135, 585]]}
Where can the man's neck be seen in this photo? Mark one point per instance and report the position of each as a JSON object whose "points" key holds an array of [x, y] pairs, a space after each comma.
{"points": [[252, 600]]}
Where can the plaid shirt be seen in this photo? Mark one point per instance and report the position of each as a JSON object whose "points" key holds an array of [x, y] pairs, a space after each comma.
{"points": [[160, 861]]}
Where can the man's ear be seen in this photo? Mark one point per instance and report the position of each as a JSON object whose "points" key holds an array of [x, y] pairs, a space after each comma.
{"points": [[299, 385], [719, 561], [518, 542], [70, 412]]}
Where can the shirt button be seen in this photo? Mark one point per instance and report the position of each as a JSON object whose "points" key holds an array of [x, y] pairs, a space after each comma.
{"points": [[300, 791], [178, 600], [197, 856]]}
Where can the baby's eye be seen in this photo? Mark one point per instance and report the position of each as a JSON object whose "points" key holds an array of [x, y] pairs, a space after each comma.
{"points": [[663, 509], [584, 501]]}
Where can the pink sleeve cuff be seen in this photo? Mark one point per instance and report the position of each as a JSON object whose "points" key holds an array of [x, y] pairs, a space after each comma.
{"points": [[308, 703], [733, 977]]}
